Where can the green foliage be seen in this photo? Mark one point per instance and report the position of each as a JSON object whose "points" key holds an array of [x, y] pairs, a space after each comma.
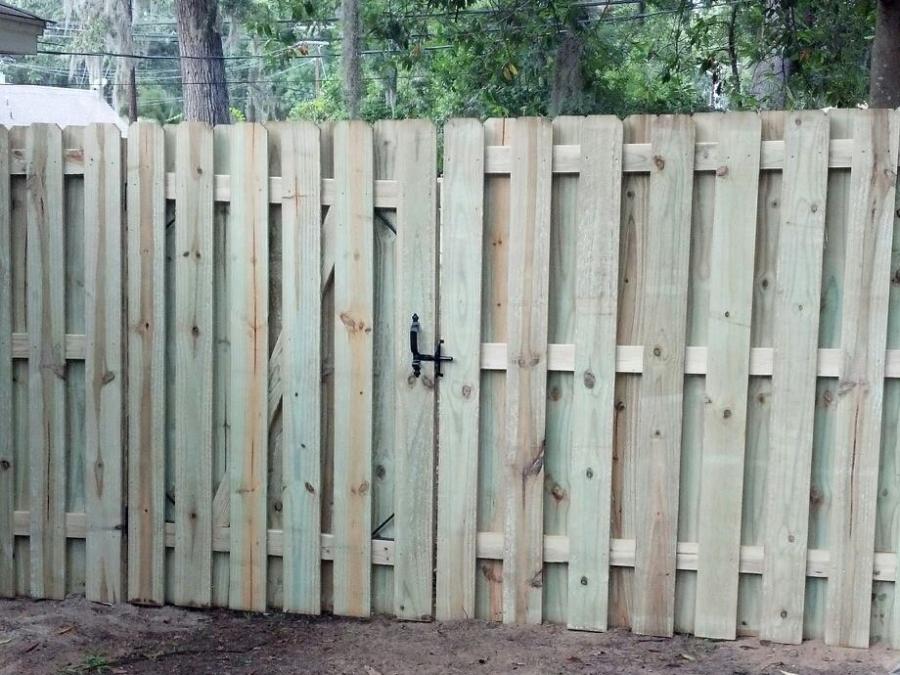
{"points": [[487, 58]]}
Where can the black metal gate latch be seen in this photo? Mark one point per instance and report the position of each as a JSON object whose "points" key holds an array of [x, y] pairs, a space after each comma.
{"points": [[417, 358]]}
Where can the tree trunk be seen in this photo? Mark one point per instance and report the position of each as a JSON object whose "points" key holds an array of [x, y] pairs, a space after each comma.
{"points": [[566, 90], [202, 66], [351, 55], [884, 76]]}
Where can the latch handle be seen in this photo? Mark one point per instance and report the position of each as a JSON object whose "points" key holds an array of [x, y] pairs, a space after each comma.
{"points": [[418, 357]]}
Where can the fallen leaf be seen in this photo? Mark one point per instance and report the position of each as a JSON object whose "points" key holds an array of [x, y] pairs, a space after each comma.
{"points": [[688, 657], [786, 672]]}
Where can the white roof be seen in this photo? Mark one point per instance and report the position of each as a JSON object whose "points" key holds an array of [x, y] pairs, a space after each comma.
{"points": [[23, 104]]}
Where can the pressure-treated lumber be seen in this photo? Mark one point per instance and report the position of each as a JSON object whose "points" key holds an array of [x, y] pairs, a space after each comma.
{"points": [[593, 405], [301, 233], [663, 311], [193, 335], [46, 363], [526, 377], [490, 547], [104, 374], [414, 144], [798, 279], [248, 295], [353, 343], [462, 210], [7, 470], [146, 364], [860, 389], [728, 373]]}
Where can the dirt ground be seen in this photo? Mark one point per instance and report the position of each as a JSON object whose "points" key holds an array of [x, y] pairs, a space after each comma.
{"points": [[76, 637]]}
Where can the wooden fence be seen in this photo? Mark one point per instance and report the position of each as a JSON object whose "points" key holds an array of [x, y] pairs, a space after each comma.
{"points": [[673, 403]]}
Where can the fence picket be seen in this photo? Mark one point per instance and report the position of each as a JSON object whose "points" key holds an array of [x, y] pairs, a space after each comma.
{"points": [[415, 148], [798, 278], [46, 360], [873, 182], [353, 342], [146, 363], [301, 232], [104, 376], [7, 460], [526, 377], [462, 210], [728, 375], [248, 293], [664, 311], [593, 405], [193, 334]]}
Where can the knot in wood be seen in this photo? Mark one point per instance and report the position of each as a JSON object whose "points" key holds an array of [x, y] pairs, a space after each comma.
{"points": [[657, 351], [467, 391], [584, 581], [722, 171], [589, 379], [659, 162], [309, 488]]}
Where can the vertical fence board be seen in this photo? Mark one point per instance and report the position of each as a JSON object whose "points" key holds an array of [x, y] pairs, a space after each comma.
{"points": [[104, 375], [417, 256], [492, 420], [560, 385], [462, 227], [193, 334], [633, 238], [301, 232], [728, 374], [146, 363], [7, 461], [45, 308], [596, 302], [861, 386], [353, 321], [798, 278], [248, 292], [526, 376], [660, 400]]}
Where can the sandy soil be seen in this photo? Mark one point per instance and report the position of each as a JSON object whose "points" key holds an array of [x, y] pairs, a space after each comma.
{"points": [[76, 637]]}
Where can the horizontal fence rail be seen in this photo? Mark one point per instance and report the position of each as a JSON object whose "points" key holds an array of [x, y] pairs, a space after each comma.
{"points": [[673, 402]]}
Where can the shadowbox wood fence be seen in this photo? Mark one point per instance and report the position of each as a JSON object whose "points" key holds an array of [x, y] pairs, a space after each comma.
{"points": [[673, 403]]}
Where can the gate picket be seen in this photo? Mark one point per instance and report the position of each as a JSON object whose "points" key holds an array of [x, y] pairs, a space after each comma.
{"points": [[7, 459], [301, 232], [415, 147], [462, 215], [354, 317], [193, 335]]}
